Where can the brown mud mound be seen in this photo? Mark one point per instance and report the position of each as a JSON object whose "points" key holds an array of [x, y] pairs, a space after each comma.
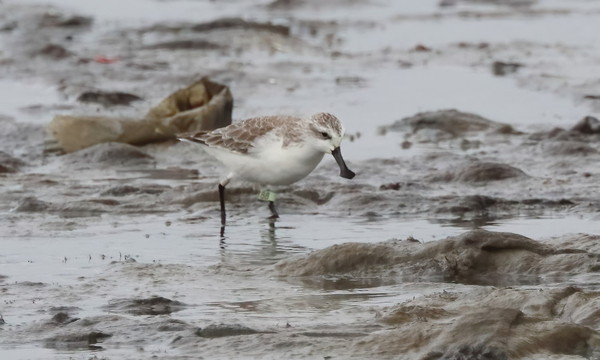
{"points": [[107, 154], [223, 330], [490, 323], [9, 164], [156, 305], [481, 172], [56, 19], [477, 256], [588, 125], [447, 124], [62, 318], [232, 23]]}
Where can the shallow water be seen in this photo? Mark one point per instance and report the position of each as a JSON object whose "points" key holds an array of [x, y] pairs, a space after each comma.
{"points": [[19, 95], [248, 240]]}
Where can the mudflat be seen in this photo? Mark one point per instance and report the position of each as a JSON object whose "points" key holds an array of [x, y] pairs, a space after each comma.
{"points": [[469, 232]]}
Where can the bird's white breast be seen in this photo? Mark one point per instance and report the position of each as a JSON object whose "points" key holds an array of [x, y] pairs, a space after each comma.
{"points": [[275, 164]]}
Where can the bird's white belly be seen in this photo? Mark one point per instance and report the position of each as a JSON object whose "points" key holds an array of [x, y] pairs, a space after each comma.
{"points": [[280, 166]]}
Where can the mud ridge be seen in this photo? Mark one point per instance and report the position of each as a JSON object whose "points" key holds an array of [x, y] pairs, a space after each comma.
{"points": [[474, 257]]}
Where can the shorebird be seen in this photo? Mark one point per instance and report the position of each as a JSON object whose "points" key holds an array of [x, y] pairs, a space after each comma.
{"points": [[272, 150]]}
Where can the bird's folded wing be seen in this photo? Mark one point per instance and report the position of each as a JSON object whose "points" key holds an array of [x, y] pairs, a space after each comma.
{"points": [[239, 137]]}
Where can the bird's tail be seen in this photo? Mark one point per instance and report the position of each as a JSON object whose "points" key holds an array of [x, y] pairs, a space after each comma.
{"points": [[195, 137]]}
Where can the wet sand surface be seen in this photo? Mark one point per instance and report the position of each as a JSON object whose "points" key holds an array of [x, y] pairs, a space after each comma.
{"points": [[470, 231]]}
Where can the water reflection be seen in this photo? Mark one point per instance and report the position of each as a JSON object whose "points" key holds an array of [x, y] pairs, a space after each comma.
{"points": [[471, 223], [241, 247], [329, 283]]}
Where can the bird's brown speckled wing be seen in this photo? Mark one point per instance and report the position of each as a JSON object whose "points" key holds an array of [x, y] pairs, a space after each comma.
{"points": [[241, 137]]}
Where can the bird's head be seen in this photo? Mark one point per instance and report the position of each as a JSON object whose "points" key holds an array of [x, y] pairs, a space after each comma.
{"points": [[327, 132]]}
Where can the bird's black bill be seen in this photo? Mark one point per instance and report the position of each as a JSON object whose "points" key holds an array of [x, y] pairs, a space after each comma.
{"points": [[344, 171]]}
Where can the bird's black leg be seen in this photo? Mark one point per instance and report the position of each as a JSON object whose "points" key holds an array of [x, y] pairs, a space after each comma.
{"points": [[222, 200], [274, 214]]}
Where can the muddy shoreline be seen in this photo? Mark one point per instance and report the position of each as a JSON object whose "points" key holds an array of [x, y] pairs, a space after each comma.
{"points": [[469, 232]]}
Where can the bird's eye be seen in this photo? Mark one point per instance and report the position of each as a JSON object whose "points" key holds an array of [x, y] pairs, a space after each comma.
{"points": [[325, 135]]}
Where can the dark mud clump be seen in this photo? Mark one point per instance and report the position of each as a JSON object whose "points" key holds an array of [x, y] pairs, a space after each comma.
{"points": [[62, 318], [501, 68], [9, 164], [184, 45], [239, 23], [58, 20], [588, 125], [234, 23], [223, 330], [108, 98], [54, 52], [156, 305], [480, 172]]}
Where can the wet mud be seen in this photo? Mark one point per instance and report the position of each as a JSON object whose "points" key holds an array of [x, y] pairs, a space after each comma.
{"points": [[469, 232], [476, 257]]}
